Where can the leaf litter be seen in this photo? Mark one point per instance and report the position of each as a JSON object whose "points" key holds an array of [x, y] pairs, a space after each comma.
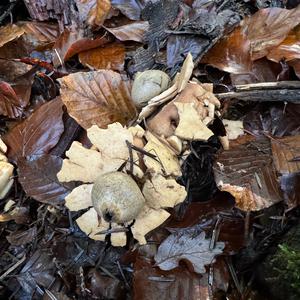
{"points": [[217, 169]]}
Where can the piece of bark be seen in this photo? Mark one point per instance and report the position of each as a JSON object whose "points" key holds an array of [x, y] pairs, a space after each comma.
{"points": [[288, 91]]}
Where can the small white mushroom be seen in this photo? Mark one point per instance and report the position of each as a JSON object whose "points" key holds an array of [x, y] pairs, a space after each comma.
{"points": [[117, 198], [147, 85]]}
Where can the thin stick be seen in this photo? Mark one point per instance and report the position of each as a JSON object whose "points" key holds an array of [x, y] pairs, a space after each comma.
{"points": [[12, 268]]}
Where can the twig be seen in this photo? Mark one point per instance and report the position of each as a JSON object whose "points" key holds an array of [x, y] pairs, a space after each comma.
{"points": [[8, 11], [12, 268]]}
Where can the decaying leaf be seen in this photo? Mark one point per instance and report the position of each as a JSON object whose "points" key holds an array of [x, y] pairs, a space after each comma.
{"points": [[37, 134], [130, 32], [187, 245], [286, 153], [190, 125], [110, 57], [247, 172], [80, 198], [37, 175], [166, 162], [147, 220], [97, 98], [6, 178], [160, 192]]}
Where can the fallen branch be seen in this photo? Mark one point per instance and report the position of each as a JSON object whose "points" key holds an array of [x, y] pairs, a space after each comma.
{"points": [[283, 91]]}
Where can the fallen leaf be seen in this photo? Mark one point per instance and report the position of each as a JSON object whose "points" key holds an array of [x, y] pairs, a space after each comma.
{"points": [[160, 192], [147, 220], [285, 152], [37, 176], [79, 198], [247, 172], [151, 283], [19, 238], [37, 134], [134, 31], [93, 12], [190, 125], [110, 57], [19, 214], [231, 54], [73, 42], [97, 98], [9, 33], [130, 8], [187, 245], [269, 27], [166, 162]]}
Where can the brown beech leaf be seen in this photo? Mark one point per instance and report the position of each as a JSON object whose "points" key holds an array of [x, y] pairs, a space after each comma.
{"points": [[97, 98], [269, 27], [9, 33], [37, 134], [37, 175], [187, 244], [130, 32], [231, 54], [151, 283], [73, 42], [109, 57], [93, 12]]}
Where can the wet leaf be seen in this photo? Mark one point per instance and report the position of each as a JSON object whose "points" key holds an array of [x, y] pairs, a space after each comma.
{"points": [[19, 238], [130, 32], [231, 54], [73, 42], [110, 57], [269, 27], [93, 12], [37, 134], [37, 175], [130, 8], [97, 98], [151, 283], [179, 46], [188, 245]]}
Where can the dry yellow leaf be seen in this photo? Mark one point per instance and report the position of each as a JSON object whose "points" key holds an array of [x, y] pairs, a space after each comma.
{"points": [[166, 162], [9, 33], [80, 198], [148, 220], [190, 126], [160, 192], [233, 128]]}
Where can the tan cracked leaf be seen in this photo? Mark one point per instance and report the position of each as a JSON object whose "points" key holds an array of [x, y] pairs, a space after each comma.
{"points": [[80, 198], [97, 98], [160, 192], [190, 126], [146, 221], [166, 162]]}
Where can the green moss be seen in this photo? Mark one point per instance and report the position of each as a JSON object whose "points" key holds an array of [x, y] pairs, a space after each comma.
{"points": [[287, 261]]}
